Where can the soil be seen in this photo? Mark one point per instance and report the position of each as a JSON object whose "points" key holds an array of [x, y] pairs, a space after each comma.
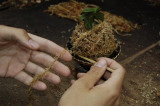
{"points": [[142, 79]]}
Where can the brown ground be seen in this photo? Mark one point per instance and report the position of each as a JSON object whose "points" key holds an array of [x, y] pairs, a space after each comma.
{"points": [[142, 80]]}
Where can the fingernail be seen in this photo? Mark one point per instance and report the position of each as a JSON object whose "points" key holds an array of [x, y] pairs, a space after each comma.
{"points": [[101, 63], [33, 43]]}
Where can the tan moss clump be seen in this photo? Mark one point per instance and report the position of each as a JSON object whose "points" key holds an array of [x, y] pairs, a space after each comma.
{"points": [[119, 23], [94, 43], [72, 10]]}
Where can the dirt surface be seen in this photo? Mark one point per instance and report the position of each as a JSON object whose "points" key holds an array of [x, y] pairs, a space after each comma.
{"points": [[142, 79]]}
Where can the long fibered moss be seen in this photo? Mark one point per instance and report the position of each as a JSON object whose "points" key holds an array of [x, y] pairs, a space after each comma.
{"points": [[72, 10], [94, 43], [43, 74]]}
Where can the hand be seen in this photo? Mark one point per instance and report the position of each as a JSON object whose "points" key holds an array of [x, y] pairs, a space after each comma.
{"points": [[87, 91], [22, 52]]}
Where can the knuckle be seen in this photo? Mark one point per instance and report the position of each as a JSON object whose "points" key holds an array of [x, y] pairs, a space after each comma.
{"points": [[47, 44], [22, 31]]}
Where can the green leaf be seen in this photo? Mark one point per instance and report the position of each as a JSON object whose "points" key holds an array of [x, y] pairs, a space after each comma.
{"points": [[93, 10], [82, 17], [88, 23], [89, 10], [85, 15], [89, 14], [99, 16], [98, 9]]}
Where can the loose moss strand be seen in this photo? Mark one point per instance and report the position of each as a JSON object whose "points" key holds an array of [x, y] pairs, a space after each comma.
{"points": [[44, 74]]}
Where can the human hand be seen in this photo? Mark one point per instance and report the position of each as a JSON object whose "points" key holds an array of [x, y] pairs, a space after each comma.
{"points": [[89, 90], [22, 52]]}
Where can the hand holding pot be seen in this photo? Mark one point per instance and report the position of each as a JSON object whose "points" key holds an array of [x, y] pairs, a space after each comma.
{"points": [[90, 91]]}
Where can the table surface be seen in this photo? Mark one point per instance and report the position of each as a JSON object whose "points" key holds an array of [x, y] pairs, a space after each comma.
{"points": [[142, 70]]}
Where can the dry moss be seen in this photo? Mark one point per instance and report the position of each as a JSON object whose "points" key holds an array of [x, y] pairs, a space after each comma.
{"points": [[72, 10], [119, 23], [94, 43], [44, 73]]}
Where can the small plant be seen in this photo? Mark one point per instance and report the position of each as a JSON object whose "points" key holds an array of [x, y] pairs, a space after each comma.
{"points": [[93, 37], [90, 15]]}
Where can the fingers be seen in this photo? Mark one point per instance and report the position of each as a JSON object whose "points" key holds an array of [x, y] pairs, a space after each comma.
{"points": [[35, 69], [111, 63], [114, 83], [95, 73], [50, 47], [117, 76], [26, 79], [46, 60], [79, 75], [17, 35], [106, 76]]}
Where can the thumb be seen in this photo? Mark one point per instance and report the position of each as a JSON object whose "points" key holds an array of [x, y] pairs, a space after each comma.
{"points": [[94, 74], [17, 35]]}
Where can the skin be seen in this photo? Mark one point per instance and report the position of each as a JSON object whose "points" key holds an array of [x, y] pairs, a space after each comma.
{"points": [[89, 90], [22, 52]]}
